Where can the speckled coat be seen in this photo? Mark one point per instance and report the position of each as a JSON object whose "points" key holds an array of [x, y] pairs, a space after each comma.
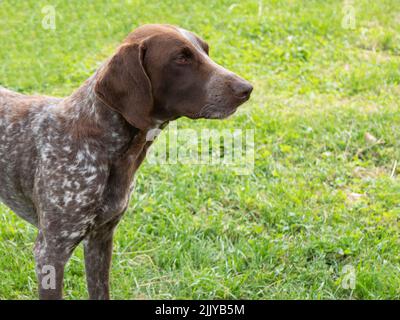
{"points": [[67, 167]]}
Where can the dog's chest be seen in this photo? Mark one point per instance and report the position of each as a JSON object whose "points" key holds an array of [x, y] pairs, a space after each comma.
{"points": [[120, 182]]}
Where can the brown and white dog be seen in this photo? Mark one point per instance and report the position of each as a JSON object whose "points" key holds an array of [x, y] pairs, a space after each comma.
{"points": [[67, 165]]}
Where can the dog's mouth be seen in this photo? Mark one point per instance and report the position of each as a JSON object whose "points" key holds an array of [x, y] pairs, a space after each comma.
{"points": [[218, 110], [221, 113], [213, 111]]}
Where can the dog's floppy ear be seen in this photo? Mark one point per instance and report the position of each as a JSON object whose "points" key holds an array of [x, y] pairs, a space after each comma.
{"points": [[124, 86]]}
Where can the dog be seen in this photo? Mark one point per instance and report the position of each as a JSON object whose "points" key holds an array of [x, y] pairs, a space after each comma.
{"points": [[67, 164]]}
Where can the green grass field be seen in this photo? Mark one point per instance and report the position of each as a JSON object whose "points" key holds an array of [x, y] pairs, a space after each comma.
{"points": [[322, 195]]}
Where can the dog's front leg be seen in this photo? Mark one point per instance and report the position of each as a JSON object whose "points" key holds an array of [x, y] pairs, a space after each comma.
{"points": [[51, 255], [98, 251]]}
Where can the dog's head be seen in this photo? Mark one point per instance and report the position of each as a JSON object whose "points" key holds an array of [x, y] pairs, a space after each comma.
{"points": [[162, 72]]}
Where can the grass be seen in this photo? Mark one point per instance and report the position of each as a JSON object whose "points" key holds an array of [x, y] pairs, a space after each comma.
{"points": [[321, 196]]}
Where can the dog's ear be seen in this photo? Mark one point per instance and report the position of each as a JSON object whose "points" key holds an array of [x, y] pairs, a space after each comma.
{"points": [[124, 86]]}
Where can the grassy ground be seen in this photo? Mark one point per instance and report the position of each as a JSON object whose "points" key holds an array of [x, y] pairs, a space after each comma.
{"points": [[322, 195]]}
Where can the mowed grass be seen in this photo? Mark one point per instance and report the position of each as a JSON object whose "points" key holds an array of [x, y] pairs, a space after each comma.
{"points": [[321, 196]]}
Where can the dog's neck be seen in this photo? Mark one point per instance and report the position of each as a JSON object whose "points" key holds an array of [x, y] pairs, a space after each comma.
{"points": [[87, 114]]}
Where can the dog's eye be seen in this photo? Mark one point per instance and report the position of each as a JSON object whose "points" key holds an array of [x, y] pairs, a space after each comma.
{"points": [[183, 58]]}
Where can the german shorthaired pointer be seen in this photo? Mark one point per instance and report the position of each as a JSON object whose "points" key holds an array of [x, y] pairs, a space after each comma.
{"points": [[67, 165]]}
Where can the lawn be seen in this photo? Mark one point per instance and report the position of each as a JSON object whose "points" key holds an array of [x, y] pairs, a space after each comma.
{"points": [[323, 197]]}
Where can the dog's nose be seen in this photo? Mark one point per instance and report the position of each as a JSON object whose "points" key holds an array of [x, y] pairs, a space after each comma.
{"points": [[241, 88]]}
